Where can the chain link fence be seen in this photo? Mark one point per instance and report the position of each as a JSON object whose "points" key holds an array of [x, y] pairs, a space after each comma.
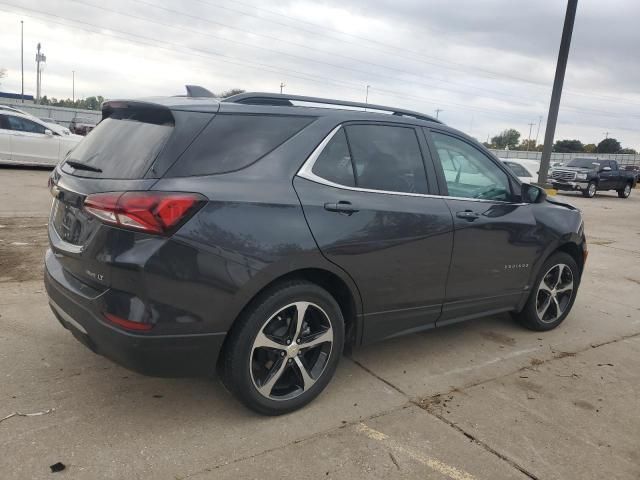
{"points": [[621, 158]]}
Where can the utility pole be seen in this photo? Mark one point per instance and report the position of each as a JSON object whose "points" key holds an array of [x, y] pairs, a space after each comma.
{"points": [[606, 135], [529, 141], [73, 87], [538, 130], [282, 85], [40, 58], [438, 110], [366, 95], [556, 93], [22, 58]]}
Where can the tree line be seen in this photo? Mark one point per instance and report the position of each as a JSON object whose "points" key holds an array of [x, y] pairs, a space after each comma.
{"points": [[510, 138], [94, 103]]}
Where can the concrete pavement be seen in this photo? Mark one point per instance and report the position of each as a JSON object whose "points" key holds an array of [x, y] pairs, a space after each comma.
{"points": [[481, 400]]}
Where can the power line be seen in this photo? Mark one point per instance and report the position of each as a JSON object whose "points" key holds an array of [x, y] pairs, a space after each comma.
{"points": [[363, 72], [232, 60], [442, 62], [149, 41], [464, 91]]}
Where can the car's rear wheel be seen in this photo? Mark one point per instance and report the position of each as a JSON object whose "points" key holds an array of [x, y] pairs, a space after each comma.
{"points": [[285, 348], [552, 297], [590, 191], [625, 192]]}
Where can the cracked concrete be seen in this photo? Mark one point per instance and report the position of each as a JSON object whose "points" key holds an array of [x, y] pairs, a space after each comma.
{"points": [[481, 400]]}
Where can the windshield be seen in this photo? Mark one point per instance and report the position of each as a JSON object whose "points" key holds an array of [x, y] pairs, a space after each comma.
{"points": [[583, 163]]}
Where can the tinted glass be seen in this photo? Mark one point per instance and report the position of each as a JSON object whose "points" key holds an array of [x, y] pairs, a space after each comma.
{"points": [[24, 125], [519, 170], [334, 163], [232, 142], [387, 158], [122, 148], [4, 123], [469, 172], [583, 163]]}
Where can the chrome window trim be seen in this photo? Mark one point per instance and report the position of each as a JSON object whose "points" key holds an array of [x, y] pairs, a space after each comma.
{"points": [[306, 172]]}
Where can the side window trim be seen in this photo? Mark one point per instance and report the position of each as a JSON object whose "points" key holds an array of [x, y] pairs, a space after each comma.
{"points": [[514, 184]]}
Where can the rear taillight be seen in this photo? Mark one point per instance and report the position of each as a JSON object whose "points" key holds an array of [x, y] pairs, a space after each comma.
{"points": [[152, 212], [128, 324]]}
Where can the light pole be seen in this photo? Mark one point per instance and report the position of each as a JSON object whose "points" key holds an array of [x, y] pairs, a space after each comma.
{"points": [[22, 58], [282, 85], [73, 87], [529, 141], [366, 95], [438, 110], [40, 58], [556, 93]]}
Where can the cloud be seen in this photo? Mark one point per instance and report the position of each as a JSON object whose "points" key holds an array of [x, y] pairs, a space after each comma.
{"points": [[489, 65]]}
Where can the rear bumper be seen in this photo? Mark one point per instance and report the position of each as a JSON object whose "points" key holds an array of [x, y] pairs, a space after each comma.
{"points": [[149, 354]]}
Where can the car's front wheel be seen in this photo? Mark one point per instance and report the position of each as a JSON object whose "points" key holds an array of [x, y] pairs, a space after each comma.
{"points": [[552, 297], [285, 348], [590, 191]]}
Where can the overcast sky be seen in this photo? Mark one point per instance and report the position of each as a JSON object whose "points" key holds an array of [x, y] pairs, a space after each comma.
{"points": [[487, 64]]}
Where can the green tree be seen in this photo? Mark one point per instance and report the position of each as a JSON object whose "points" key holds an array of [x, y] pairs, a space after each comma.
{"points": [[528, 145], [627, 150], [608, 145], [589, 148], [568, 146], [508, 138], [228, 93]]}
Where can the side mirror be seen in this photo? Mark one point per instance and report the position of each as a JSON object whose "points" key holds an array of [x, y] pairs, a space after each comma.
{"points": [[48, 133], [532, 193], [605, 169]]}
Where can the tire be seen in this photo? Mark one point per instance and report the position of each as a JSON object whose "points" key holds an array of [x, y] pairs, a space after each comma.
{"points": [[625, 192], [262, 370], [590, 191], [559, 301]]}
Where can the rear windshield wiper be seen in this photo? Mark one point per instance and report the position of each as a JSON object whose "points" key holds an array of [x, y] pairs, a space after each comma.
{"points": [[83, 166]]}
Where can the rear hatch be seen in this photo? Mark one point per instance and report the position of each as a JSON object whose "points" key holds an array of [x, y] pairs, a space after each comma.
{"points": [[117, 156]]}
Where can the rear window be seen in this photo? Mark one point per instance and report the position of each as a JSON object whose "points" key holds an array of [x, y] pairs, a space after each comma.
{"points": [[233, 142], [124, 145]]}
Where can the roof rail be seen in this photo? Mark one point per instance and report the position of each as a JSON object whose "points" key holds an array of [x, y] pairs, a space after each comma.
{"points": [[283, 100]]}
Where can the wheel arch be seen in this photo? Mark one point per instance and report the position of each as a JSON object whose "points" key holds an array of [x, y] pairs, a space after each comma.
{"points": [[570, 247], [344, 292]]}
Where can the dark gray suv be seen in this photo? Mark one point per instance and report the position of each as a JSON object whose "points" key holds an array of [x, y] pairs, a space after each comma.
{"points": [[259, 235]]}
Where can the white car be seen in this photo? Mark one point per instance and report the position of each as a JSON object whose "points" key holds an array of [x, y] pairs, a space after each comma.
{"points": [[26, 140], [525, 170]]}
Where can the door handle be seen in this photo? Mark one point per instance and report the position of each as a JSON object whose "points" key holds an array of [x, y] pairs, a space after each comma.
{"points": [[468, 215], [340, 207]]}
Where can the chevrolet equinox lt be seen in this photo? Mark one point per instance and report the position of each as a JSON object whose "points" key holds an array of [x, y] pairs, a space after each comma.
{"points": [[259, 235]]}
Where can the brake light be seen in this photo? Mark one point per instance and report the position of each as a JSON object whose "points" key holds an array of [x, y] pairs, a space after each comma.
{"points": [[151, 212], [128, 324]]}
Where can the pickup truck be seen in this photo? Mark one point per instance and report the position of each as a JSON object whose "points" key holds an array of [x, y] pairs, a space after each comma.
{"points": [[588, 175]]}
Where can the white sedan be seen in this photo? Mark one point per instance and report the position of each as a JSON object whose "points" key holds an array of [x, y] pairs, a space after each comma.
{"points": [[525, 170], [26, 140]]}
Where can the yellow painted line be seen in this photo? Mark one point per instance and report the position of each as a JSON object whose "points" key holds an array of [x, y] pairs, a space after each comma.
{"points": [[433, 463], [551, 191]]}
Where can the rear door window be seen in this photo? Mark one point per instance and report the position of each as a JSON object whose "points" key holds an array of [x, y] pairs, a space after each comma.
{"points": [[387, 158], [124, 145], [233, 142]]}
